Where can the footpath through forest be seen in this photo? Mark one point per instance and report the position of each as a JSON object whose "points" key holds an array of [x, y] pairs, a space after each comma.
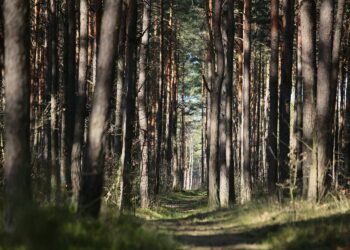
{"points": [[185, 216]]}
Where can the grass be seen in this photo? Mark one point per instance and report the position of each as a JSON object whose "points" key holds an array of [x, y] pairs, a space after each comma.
{"points": [[52, 228], [258, 225], [182, 220]]}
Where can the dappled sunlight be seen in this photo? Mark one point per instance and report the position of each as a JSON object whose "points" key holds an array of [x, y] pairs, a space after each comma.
{"points": [[258, 225]]}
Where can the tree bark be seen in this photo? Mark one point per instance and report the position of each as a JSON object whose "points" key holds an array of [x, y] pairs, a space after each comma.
{"points": [[17, 75], [246, 182], [129, 112], [69, 95], [80, 108], [272, 153], [142, 104], [160, 99], [92, 169], [308, 34], [286, 88], [226, 170], [213, 201], [324, 116]]}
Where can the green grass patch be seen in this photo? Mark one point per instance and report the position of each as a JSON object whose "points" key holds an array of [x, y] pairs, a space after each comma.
{"points": [[53, 228]]}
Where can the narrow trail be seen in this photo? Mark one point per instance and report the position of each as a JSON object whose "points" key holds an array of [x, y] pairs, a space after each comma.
{"points": [[186, 217]]}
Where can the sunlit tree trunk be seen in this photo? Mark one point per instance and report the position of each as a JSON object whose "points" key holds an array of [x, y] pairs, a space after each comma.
{"points": [[324, 115], [226, 170], [120, 86], [142, 106], [161, 89], [308, 34], [216, 88]]}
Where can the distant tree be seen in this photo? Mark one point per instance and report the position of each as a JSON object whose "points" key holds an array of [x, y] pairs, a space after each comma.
{"points": [[53, 84], [246, 184], [272, 153]]}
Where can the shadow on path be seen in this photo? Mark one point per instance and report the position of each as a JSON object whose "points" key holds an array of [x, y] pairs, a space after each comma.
{"points": [[197, 228]]}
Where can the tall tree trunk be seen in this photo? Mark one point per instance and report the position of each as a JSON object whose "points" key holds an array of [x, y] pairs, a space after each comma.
{"points": [[246, 182], [160, 99], [129, 112], [142, 104], [80, 107], [69, 94], [183, 145], [299, 108], [272, 153], [226, 172], [52, 79], [324, 116], [17, 156], [347, 110], [120, 86], [336, 47], [286, 88], [92, 169], [213, 201], [308, 34], [229, 99]]}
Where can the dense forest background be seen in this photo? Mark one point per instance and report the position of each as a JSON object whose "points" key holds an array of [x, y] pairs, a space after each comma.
{"points": [[111, 106]]}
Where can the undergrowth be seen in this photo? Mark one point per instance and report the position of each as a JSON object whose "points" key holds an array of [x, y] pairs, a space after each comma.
{"points": [[53, 228]]}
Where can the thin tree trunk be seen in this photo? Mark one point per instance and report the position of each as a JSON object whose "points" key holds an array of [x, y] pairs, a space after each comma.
{"points": [[246, 182], [69, 95], [299, 109], [80, 107], [272, 154], [121, 88], [347, 110], [141, 99], [160, 99]]}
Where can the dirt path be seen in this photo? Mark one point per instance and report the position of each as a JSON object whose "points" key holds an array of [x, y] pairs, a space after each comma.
{"points": [[185, 216]]}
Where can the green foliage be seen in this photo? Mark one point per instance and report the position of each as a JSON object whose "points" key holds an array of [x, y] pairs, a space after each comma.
{"points": [[53, 228]]}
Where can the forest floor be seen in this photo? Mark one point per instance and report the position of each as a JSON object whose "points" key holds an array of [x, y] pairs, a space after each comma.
{"points": [[260, 225]]}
